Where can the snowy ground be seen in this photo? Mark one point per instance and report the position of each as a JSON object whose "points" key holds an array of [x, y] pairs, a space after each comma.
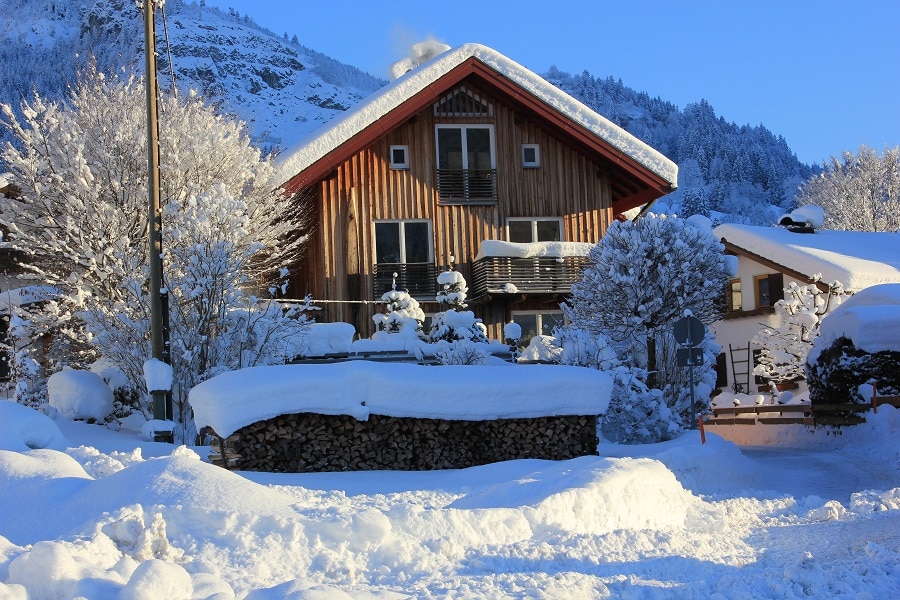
{"points": [[102, 514]]}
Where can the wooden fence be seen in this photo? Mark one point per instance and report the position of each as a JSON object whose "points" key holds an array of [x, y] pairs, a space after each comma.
{"points": [[798, 414]]}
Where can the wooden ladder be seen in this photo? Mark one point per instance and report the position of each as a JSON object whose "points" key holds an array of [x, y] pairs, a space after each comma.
{"points": [[740, 368]]}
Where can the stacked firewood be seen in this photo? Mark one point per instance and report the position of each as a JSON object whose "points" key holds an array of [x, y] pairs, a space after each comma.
{"points": [[308, 442]]}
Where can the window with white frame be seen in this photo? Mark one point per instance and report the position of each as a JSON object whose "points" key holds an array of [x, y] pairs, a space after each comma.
{"points": [[400, 157], [404, 258], [531, 156], [466, 162], [526, 230]]}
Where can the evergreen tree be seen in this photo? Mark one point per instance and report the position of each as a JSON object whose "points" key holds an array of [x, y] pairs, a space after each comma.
{"points": [[402, 314], [455, 323]]}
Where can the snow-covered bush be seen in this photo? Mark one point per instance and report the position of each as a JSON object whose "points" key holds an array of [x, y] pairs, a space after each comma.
{"points": [[637, 414], [859, 344], [80, 395], [461, 352], [838, 371], [643, 276], [785, 347]]}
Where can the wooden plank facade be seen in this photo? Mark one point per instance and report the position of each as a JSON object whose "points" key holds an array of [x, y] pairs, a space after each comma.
{"points": [[570, 184]]}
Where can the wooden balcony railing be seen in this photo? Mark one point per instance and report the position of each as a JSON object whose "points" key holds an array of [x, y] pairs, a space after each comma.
{"points": [[419, 279], [509, 275], [471, 186]]}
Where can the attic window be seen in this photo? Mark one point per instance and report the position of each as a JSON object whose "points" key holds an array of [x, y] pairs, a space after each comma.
{"points": [[463, 102], [400, 157]]}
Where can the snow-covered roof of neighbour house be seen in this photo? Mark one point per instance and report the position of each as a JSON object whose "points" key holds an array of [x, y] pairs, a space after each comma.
{"points": [[328, 146], [236, 399], [533, 250], [857, 259]]}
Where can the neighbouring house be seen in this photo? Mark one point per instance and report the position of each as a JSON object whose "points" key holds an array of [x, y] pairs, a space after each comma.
{"points": [[471, 161], [769, 260]]}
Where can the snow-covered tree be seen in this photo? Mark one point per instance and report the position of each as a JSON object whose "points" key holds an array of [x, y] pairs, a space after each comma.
{"points": [[402, 314], [455, 323], [859, 192], [81, 221], [785, 346], [642, 277]]}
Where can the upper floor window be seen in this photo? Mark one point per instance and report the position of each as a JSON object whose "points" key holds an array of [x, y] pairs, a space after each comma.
{"points": [[734, 296], [769, 289], [400, 157], [466, 162], [528, 230], [531, 156]]}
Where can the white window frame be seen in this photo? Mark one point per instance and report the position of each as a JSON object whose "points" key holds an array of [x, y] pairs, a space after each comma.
{"points": [[402, 223], [531, 164], [465, 153], [534, 222], [400, 165]]}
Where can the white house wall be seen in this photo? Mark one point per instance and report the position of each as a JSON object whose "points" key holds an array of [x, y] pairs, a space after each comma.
{"points": [[739, 331]]}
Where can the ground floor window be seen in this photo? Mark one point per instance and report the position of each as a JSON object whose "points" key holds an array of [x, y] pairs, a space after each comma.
{"points": [[537, 323]]}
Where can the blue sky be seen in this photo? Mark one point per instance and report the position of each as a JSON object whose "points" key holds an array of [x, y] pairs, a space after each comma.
{"points": [[823, 74]]}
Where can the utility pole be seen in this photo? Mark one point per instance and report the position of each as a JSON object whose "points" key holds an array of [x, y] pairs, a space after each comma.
{"points": [[154, 218]]}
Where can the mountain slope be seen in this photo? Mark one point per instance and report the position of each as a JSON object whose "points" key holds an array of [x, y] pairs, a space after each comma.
{"points": [[280, 88], [284, 90]]}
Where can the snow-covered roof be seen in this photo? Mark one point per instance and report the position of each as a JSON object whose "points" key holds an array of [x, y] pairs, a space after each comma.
{"points": [[858, 259], [236, 399], [329, 137]]}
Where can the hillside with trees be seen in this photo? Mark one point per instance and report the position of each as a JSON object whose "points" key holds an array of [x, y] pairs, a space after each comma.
{"points": [[746, 173]]}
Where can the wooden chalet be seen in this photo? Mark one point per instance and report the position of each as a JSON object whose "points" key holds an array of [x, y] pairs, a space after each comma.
{"points": [[467, 148]]}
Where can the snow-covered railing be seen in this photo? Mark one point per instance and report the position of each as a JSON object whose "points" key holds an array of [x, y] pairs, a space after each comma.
{"points": [[536, 268]]}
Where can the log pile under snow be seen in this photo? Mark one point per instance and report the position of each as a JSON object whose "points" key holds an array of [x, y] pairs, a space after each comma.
{"points": [[309, 442]]}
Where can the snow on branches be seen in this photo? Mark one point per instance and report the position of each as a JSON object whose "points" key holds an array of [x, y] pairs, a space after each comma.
{"points": [[786, 345]]}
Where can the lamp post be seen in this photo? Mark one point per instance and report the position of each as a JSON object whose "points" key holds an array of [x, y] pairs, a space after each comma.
{"points": [[161, 410]]}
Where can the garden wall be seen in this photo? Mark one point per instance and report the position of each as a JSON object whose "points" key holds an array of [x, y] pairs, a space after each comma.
{"points": [[307, 442]]}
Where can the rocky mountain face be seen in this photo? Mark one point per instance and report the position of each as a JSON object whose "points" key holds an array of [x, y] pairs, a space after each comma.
{"points": [[280, 88]]}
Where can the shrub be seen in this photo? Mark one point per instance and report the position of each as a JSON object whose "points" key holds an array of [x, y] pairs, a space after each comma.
{"points": [[838, 371]]}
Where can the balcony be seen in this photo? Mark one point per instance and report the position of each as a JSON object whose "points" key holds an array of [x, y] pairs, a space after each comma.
{"points": [[494, 275], [467, 186], [419, 279]]}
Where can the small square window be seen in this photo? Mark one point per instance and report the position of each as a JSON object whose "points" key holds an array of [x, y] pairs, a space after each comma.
{"points": [[399, 157], [531, 156]]}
